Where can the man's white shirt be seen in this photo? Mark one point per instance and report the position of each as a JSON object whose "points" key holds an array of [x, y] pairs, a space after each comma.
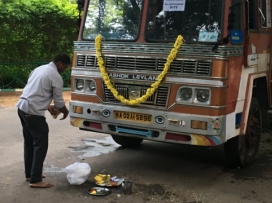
{"points": [[44, 85]]}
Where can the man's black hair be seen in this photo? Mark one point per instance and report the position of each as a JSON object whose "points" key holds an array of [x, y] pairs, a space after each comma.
{"points": [[62, 57]]}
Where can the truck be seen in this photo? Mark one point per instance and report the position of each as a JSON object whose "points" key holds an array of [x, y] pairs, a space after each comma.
{"points": [[189, 72]]}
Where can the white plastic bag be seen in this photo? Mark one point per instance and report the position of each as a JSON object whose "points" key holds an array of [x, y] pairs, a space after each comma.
{"points": [[78, 173]]}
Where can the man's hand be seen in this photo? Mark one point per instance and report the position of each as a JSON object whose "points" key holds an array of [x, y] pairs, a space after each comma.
{"points": [[54, 112], [65, 112], [51, 109]]}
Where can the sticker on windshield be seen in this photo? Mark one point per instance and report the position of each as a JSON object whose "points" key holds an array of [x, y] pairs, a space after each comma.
{"points": [[205, 36], [174, 5]]}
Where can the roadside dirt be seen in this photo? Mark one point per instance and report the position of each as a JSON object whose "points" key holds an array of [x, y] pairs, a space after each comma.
{"points": [[11, 100]]}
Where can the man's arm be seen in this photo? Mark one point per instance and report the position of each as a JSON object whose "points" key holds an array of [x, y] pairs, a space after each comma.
{"points": [[59, 103]]}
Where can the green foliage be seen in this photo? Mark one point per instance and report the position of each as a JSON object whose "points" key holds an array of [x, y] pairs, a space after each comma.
{"points": [[34, 30]]}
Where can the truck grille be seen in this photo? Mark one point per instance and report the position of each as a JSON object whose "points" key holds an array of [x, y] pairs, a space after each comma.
{"points": [[194, 67], [159, 98]]}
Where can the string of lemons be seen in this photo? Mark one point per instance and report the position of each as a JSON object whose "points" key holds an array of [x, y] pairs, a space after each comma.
{"points": [[149, 91]]}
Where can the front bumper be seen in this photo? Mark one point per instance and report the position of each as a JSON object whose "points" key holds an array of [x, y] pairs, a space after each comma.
{"points": [[91, 118]]}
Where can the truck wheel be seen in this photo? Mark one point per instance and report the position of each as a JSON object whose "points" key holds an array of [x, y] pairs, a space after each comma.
{"points": [[241, 150], [127, 141]]}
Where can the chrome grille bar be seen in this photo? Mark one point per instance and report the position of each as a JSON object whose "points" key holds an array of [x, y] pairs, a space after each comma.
{"points": [[162, 96], [194, 67], [159, 98], [81, 60], [156, 48]]}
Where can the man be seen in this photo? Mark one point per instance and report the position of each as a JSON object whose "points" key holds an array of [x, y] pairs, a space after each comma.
{"points": [[44, 84]]}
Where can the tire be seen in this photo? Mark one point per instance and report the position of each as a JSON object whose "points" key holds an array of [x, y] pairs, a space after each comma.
{"points": [[241, 150], [129, 142]]}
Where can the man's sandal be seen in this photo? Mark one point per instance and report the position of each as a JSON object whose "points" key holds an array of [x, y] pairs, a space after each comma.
{"points": [[43, 176]]}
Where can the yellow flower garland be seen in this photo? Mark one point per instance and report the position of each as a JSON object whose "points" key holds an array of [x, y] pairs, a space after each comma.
{"points": [[154, 86]]}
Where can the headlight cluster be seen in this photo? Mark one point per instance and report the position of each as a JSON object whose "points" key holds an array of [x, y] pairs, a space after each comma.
{"points": [[194, 95], [85, 85]]}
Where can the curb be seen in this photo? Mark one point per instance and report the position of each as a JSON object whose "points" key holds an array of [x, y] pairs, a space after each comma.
{"points": [[7, 90], [19, 91]]}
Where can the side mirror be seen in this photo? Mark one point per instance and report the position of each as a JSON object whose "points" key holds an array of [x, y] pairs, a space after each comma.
{"points": [[80, 4], [234, 36], [80, 7]]}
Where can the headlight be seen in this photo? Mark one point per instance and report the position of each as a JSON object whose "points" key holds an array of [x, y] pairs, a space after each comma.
{"points": [[194, 95], [80, 84], [203, 95], [186, 94], [92, 85]]}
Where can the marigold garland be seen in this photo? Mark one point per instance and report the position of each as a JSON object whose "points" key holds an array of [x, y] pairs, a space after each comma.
{"points": [[154, 86]]}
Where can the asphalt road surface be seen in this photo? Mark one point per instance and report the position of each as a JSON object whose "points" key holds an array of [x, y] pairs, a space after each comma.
{"points": [[159, 172]]}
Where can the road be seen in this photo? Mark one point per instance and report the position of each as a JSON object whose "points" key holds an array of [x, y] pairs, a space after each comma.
{"points": [[159, 172]]}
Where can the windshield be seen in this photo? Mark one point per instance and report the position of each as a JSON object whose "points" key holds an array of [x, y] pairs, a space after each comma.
{"points": [[195, 20], [113, 19]]}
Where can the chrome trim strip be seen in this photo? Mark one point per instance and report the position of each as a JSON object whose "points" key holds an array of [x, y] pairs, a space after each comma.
{"points": [[96, 72], [163, 48], [197, 81], [153, 107], [147, 55], [196, 105], [84, 72], [86, 94], [167, 79]]}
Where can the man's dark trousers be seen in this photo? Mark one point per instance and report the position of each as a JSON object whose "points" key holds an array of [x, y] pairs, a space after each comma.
{"points": [[35, 131]]}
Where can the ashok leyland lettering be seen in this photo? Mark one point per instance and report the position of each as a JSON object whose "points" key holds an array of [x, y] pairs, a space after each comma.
{"points": [[195, 72]]}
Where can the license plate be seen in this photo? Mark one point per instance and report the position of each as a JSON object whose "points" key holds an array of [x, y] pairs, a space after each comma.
{"points": [[145, 118]]}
